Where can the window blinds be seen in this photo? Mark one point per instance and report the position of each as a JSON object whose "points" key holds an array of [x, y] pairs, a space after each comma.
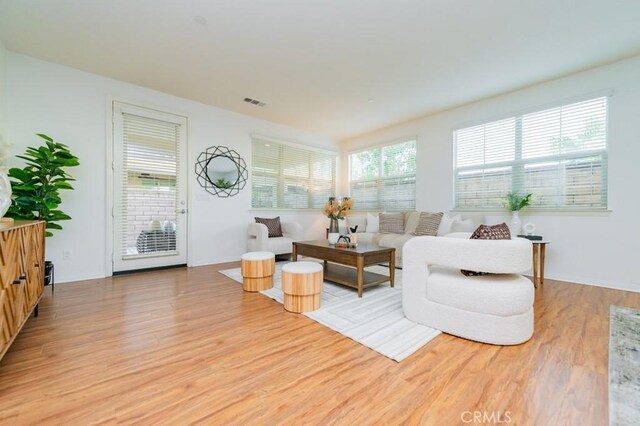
{"points": [[384, 178], [559, 154], [284, 176], [150, 178]]}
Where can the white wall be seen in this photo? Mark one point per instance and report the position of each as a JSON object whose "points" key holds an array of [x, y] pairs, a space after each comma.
{"points": [[71, 106], [3, 105], [594, 249]]}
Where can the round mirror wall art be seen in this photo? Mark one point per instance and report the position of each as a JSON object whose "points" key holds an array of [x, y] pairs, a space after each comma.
{"points": [[221, 171]]}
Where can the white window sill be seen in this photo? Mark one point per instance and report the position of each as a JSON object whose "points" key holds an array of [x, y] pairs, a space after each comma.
{"points": [[316, 211], [539, 212]]}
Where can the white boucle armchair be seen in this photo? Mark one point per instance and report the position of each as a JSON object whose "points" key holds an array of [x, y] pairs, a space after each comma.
{"points": [[495, 308], [258, 238]]}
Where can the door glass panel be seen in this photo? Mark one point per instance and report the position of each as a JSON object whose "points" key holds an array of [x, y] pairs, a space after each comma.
{"points": [[149, 196]]}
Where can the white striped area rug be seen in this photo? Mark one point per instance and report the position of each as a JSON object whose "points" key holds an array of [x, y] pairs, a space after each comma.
{"points": [[376, 320]]}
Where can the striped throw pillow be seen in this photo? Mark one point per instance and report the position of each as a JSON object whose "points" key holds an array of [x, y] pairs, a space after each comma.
{"points": [[392, 223], [273, 225], [428, 224]]}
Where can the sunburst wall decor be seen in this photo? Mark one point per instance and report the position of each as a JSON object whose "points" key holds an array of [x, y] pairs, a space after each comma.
{"points": [[221, 171]]}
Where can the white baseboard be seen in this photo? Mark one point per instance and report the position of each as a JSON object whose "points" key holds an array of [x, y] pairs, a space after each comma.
{"points": [[604, 284], [73, 278]]}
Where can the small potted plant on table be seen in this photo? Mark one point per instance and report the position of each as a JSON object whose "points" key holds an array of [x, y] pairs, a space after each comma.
{"points": [[514, 202]]}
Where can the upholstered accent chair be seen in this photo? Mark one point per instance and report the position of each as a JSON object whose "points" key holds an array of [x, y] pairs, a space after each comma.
{"points": [[496, 308], [258, 238]]}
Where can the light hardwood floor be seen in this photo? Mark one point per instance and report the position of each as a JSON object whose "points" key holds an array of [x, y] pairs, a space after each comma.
{"points": [[188, 345]]}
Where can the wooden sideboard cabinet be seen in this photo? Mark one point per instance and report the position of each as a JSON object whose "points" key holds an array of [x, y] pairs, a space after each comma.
{"points": [[21, 276]]}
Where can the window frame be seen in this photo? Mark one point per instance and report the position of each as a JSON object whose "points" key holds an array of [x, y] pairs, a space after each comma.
{"points": [[379, 179], [281, 179], [521, 163]]}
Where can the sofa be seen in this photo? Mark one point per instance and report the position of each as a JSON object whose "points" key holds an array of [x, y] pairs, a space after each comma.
{"points": [[258, 238], [368, 230], [496, 308]]}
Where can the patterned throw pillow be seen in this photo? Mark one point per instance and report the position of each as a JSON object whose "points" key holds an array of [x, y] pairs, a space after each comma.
{"points": [[493, 232], [485, 232], [428, 224], [273, 225], [392, 223]]}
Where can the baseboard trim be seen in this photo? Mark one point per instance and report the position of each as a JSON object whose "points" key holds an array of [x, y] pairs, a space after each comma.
{"points": [[614, 286], [635, 288], [157, 268]]}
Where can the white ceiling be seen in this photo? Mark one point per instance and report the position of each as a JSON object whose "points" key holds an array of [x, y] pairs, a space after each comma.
{"points": [[316, 63]]}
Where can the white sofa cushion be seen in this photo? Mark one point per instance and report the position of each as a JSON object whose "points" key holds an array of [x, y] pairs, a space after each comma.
{"points": [[392, 240], [446, 223], [360, 221], [365, 237], [463, 225], [373, 223], [280, 245], [495, 294]]}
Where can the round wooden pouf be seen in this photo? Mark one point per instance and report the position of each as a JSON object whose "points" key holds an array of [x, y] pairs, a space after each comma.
{"points": [[302, 285], [257, 269]]}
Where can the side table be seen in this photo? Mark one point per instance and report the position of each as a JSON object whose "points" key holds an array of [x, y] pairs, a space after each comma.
{"points": [[539, 249]]}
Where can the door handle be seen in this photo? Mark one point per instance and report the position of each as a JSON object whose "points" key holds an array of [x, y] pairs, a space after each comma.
{"points": [[183, 211]]}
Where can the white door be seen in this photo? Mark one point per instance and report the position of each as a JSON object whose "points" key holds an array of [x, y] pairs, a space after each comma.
{"points": [[150, 189]]}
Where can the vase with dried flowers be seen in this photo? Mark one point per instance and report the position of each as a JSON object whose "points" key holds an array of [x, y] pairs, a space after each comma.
{"points": [[336, 210]]}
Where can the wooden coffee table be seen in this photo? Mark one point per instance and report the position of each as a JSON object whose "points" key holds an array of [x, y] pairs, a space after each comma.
{"points": [[352, 274]]}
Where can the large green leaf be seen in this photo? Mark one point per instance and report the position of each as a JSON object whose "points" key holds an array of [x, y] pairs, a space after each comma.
{"points": [[20, 174], [27, 200], [23, 188], [63, 185], [70, 162], [33, 153], [58, 215], [52, 197]]}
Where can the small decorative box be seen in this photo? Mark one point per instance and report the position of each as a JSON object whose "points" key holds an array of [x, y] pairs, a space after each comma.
{"points": [[532, 237]]}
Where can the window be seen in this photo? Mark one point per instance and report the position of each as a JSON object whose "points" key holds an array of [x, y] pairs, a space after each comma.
{"points": [[285, 176], [384, 178], [559, 154]]}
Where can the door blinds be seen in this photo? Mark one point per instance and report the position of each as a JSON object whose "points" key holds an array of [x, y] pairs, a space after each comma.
{"points": [[149, 181]]}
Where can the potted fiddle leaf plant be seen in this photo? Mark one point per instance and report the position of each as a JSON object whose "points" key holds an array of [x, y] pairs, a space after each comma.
{"points": [[36, 187]]}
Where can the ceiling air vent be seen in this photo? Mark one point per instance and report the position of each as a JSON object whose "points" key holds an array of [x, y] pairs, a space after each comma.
{"points": [[254, 102]]}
